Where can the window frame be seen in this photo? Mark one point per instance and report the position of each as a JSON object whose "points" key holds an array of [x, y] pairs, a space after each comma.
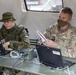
{"points": [[26, 7]]}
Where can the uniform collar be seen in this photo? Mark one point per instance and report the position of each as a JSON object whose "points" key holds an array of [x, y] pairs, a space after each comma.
{"points": [[3, 27]]}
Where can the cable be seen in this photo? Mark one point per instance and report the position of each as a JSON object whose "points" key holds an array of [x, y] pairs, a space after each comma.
{"points": [[22, 58], [68, 70], [14, 54]]}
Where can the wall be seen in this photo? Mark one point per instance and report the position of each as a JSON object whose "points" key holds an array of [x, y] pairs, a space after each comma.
{"points": [[33, 20]]}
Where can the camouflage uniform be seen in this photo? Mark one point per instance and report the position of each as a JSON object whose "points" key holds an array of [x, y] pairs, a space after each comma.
{"points": [[17, 38], [65, 40]]}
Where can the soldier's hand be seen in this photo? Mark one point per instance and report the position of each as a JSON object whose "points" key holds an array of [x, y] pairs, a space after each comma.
{"points": [[50, 43], [5, 45]]}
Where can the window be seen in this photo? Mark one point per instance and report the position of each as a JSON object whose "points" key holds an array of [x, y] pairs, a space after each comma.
{"points": [[44, 5]]}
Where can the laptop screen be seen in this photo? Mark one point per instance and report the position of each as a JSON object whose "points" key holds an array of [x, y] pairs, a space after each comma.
{"points": [[50, 56]]}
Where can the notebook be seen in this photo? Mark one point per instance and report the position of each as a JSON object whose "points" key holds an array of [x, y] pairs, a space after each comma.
{"points": [[3, 51], [52, 57]]}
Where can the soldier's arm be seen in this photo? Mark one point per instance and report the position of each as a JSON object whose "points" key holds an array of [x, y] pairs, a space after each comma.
{"points": [[0, 35], [70, 51], [47, 33], [23, 44]]}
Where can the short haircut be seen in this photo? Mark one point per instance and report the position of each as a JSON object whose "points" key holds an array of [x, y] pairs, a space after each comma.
{"points": [[67, 10]]}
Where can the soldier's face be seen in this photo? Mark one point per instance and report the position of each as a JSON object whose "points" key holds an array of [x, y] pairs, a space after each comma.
{"points": [[64, 17], [8, 24]]}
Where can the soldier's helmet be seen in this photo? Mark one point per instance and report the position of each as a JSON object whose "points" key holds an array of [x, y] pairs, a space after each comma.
{"points": [[7, 16]]}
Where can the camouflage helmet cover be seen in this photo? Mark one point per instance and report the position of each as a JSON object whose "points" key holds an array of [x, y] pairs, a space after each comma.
{"points": [[7, 16]]}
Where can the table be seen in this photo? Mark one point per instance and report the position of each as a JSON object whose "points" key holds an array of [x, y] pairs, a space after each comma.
{"points": [[34, 67]]}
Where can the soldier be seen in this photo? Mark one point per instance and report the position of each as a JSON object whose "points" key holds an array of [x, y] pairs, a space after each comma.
{"points": [[11, 35], [62, 35], [15, 38]]}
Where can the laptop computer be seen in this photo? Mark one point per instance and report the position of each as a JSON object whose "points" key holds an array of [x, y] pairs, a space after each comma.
{"points": [[52, 57], [3, 51]]}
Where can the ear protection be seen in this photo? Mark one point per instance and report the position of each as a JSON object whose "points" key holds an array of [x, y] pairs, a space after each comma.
{"points": [[14, 54]]}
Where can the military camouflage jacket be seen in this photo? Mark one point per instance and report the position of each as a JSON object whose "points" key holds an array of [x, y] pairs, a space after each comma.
{"points": [[65, 40], [16, 37]]}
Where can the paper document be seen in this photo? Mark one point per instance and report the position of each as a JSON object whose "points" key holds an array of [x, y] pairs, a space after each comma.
{"points": [[43, 38]]}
